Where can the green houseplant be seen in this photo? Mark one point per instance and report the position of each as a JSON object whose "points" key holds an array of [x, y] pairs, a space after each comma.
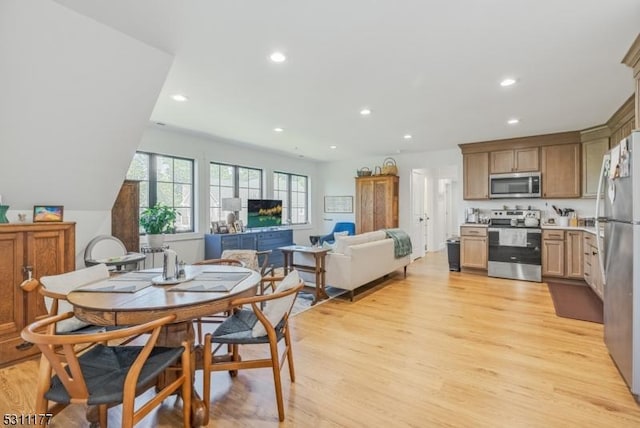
{"points": [[156, 221]]}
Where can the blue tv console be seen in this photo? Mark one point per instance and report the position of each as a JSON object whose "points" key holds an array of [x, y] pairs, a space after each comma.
{"points": [[215, 244]]}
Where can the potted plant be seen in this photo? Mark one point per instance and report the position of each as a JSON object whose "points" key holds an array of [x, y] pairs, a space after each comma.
{"points": [[156, 221]]}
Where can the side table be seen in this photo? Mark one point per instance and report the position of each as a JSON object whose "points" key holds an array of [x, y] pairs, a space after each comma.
{"points": [[153, 251], [318, 254]]}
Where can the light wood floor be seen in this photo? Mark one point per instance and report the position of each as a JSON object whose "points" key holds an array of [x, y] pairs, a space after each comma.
{"points": [[436, 349]]}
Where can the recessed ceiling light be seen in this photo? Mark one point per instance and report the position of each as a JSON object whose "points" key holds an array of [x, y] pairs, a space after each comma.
{"points": [[508, 82], [278, 57], [513, 121], [365, 112], [278, 129], [407, 136], [179, 97], [333, 147]]}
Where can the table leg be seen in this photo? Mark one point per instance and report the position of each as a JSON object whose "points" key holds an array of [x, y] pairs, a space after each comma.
{"points": [[320, 278], [174, 335]]}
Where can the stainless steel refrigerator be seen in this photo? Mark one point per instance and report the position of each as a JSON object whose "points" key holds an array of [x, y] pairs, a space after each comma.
{"points": [[620, 257]]}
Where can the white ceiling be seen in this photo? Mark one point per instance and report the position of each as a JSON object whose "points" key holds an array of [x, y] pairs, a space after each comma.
{"points": [[428, 68]]}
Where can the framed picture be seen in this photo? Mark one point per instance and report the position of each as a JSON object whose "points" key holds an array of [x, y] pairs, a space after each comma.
{"points": [[238, 226], [46, 213], [215, 227], [223, 228], [338, 204]]}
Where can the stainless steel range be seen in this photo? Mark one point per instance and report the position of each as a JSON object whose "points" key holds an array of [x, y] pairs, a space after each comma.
{"points": [[515, 245]]}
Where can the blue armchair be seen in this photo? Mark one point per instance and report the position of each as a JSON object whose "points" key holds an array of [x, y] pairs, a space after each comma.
{"points": [[339, 227]]}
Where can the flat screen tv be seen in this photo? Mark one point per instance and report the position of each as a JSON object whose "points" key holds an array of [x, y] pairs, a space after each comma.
{"points": [[264, 212]]}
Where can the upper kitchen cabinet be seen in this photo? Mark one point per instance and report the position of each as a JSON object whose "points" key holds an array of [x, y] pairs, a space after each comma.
{"points": [[518, 160], [561, 171], [595, 143], [476, 175]]}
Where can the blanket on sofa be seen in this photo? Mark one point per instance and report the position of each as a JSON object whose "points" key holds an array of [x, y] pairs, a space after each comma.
{"points": [[401, 242]]}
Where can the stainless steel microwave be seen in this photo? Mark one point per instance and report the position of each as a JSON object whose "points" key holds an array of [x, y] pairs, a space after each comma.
{"points": [[515, 185]]}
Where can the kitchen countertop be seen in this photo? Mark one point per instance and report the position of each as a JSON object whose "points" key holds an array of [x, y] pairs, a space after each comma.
{"points": [[546, 226]]}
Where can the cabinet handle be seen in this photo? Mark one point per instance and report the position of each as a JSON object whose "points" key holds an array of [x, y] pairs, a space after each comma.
{"points": [[28, 270], [586, 274], [24, 346], [595, 253]]}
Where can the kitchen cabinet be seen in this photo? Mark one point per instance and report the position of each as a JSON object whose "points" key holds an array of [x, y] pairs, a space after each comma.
{"points": [[44, 249], [562, 254], [125, 215], [476, 176], [561, 171], [517, 160], [553, 253], [574, 255], [592, 154], [473, 247], [376, 202], [591, 264]]}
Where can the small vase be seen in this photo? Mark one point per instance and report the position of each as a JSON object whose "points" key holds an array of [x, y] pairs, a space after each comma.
{"points": [[155, 241], [3, 213]]}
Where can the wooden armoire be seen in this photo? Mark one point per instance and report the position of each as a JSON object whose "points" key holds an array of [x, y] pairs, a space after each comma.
{"points": [[42, 249], [376, 202], [125, 215]]}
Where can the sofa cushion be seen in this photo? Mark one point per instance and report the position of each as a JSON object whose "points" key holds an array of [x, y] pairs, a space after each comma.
{"points": [[344, 242]]}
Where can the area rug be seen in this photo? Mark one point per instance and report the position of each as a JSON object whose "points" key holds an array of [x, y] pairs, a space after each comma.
{"points": [[304, 299]]}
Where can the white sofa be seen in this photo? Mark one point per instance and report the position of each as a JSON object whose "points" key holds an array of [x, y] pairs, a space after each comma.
{"points": [[357, 260]]}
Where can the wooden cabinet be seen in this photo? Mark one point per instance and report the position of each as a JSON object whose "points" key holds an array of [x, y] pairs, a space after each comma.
{"points": [[595, 143], [553, 253], [125, 215], [214, 245], [473, 247], [45, 249], [562, 254], [574, 255], [518, 160], [561, 171], [376, 202], [592, 269], [476, 175]]}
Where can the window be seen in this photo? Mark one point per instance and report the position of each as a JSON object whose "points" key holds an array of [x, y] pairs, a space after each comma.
{"points": [[232, 181], [166, 180], [293, 190]]}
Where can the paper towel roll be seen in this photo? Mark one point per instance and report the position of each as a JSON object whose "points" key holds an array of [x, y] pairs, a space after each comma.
{"points": [[170, 265]]}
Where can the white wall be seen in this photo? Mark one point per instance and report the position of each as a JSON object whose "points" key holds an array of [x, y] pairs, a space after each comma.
{"points": [[76, 97], [205, 149]]}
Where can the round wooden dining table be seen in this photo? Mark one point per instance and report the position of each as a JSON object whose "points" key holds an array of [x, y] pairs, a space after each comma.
{"points": [[110, 308]]}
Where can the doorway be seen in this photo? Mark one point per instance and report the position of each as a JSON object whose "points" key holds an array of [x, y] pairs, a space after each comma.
{"points": [[418, 214]]}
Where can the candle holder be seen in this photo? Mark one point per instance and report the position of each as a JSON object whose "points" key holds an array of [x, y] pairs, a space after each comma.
{"points": [[3, 213]]}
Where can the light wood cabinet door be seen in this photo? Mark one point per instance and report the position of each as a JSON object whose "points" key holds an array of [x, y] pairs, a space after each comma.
{"points": [[592, 154], [473, 252], [553, 258], [11, 304], [527, 160], [561, 174], [476, 175], [574, 255], [376, 203], [553, 253], [517, 160]]}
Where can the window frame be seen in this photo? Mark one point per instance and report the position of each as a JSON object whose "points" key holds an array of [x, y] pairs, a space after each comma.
{"points": [[152, 186], [236, 189], [287, 204]]}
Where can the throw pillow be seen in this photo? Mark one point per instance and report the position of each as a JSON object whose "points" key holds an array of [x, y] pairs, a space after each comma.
{"points": [[328, 245], [343, 233], [66, 283], [275, 309]]}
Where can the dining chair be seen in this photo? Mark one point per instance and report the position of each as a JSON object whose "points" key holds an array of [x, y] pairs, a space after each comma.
{"points": [[257, 261], [55, 288], [104, 375], [254, 326], [214, 319], [112, 251]]}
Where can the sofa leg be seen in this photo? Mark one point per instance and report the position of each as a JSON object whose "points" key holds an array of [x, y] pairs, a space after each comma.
{"points": [[351, 294], [405, 271]]}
